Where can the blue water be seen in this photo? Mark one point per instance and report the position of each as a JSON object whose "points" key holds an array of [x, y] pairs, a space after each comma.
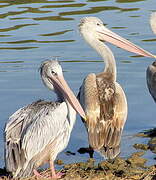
{"points": [[33, 32]]}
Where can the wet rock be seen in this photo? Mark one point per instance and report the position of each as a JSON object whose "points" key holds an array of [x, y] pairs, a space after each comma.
{"points": [[68, 166], [140, 153], [147, 133], [90, 163], [120, 166], [105, 165], [135, 160], [144, 147], [132, 168], [152, 144], [59, 162], [83, 165], [120, 162]]}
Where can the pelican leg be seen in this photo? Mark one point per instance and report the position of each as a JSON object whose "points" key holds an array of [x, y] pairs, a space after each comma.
{"points": [[54, 174], [36, 173], [90, 151]]}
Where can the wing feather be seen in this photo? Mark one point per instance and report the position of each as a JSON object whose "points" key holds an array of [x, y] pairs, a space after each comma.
{"points": [[45, 129], [30, 129], [105, 105], [88, 97]]}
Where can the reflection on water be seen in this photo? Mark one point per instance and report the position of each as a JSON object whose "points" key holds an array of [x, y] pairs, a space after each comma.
{"points": [[34, 41], [16, 27], [56, 33], [32, 31], [23, 12], [53, 18], [128, 1], [17, 48], [95, 0], [64, 5], [12, 62], [147, 40], [91, 10]]}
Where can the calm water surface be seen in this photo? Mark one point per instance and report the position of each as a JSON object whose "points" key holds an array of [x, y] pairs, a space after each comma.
{"points": [[32, 32]]}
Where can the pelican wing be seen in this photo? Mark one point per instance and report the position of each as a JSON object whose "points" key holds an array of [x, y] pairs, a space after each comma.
{"points": [[113, 126], [46, 127], [35, 134], [106, 109], [14, 128], [89, 100], [151, 79]]}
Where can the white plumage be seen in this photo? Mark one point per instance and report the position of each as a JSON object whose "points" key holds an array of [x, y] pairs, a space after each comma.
{"points": [[36, 133]]}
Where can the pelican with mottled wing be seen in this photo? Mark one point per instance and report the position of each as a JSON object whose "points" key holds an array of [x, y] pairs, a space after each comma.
{"points": [[36, 133], [100, 95], [151, 70]]}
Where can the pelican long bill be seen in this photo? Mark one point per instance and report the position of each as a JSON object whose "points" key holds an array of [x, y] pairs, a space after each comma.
{"points": [[65, 89], [113, 38]]}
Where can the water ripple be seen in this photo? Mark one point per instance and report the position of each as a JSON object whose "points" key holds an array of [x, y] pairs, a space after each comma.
{"points": [[53, 18], [36, 41], [16, 27], [128, 1], [64, 5], [56, 33]]}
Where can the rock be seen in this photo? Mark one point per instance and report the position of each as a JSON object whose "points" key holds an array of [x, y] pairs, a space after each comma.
{"points": [[105, 165], [152, 144], [144, 147], [59, 162], [135, 160]]}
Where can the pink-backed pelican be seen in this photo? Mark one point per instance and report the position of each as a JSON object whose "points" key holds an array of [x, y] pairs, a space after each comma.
{"points": [[36, 133], [100, 95]]}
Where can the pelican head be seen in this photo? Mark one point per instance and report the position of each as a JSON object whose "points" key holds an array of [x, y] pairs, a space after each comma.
{"points": [[49, 70], [89, 26], [52, 76], [93, 30]]}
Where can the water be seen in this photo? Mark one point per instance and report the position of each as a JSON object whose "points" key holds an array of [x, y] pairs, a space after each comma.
{"points": [[32, 31]]}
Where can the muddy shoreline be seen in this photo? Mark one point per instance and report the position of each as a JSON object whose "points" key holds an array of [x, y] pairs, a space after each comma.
{"points": [[132, 168]]}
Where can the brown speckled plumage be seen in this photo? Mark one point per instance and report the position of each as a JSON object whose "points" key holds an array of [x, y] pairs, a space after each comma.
{"points": [[102, 97], [103, 103]]}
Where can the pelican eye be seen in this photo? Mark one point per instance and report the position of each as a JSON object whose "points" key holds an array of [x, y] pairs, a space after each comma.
{"points": [[98, 24], [53, 73]]}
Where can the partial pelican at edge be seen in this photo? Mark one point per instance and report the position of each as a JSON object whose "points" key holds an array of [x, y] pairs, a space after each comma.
{"points": [[151, 70]]}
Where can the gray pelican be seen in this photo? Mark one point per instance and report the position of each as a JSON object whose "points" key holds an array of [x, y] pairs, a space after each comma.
{"points": [[151, 70], [36, 133], [101, 97]]}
